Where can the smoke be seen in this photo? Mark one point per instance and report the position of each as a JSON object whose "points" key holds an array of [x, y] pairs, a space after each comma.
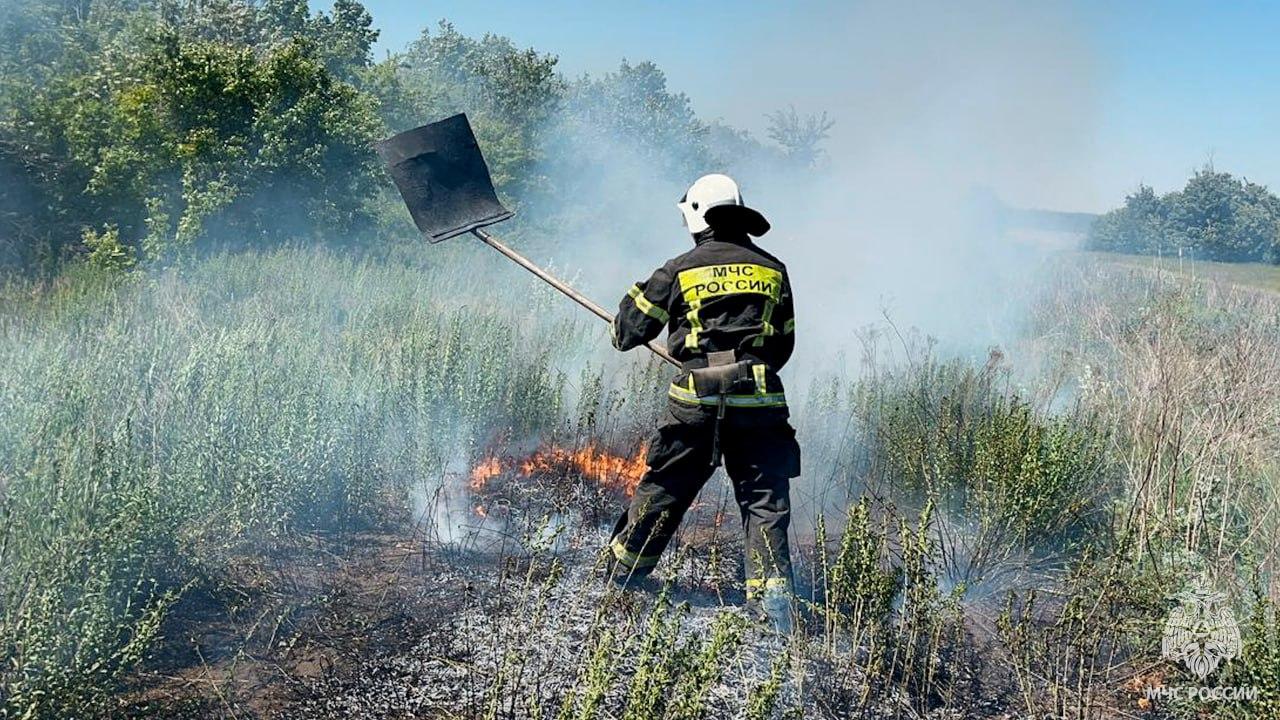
{"points": [[935, 104], [945, 116], [932, 102]]}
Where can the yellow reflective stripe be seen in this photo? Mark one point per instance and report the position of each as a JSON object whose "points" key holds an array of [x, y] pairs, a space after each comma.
{"points": [[646, 307], [765, 318], [685, 395], [716, 280], [789, 326], [755, 586], [695, 324], [690, 397], [632, 560], [758, 372]]}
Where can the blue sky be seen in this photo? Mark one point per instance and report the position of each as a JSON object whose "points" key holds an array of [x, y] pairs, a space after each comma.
{"points": [[1098, 96]]}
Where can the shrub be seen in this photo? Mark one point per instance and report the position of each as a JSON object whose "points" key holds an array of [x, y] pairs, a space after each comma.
{"points": [[1007, 476]]}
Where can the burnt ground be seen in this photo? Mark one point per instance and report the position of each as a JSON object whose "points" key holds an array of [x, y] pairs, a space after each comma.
{"points": [[389, 625], [403, 622], [378, 624], [313, 611]]}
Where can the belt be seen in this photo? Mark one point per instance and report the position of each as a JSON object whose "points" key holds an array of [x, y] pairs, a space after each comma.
{"points": [[698, 363]]}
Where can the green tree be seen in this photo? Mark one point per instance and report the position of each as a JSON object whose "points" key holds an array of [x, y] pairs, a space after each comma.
{"points": [[633, 108], [345, 38], [202, 138], [176, 120], [1138, 226], [1215, 216], [509, 94], [1257, 222], [799, 137]]}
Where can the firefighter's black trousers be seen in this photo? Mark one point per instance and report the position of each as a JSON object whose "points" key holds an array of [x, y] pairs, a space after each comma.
{"points": [[760, 455]]}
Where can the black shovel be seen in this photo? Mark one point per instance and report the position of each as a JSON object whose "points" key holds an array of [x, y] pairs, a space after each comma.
{"points": [[443, 179]]}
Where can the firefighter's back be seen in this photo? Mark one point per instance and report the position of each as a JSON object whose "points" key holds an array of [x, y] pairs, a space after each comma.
{"points": [[730, 302]]}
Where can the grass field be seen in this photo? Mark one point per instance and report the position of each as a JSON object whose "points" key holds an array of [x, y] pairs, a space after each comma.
{"points": [[1252, 275], [214, 467]]}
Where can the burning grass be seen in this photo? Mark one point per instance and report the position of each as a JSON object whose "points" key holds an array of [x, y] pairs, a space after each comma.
{"points": [[587, 480], [553, 464]]}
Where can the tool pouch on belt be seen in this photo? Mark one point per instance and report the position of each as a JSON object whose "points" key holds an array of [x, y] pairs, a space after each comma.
{"points": [[724, 374]]}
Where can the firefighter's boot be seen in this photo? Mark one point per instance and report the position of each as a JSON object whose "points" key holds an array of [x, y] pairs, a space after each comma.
{"points": [[772, 602], [778, 609]]}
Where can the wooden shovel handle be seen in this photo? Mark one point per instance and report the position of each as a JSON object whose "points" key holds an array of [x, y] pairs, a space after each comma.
{"points": [[556, 283]]}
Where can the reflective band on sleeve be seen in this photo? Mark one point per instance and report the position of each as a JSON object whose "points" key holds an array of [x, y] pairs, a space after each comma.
{"points": [[695, 324], [689, 397], [634, 561], [646, 307], [766, 318], [758, 372], [758, 586], [789, 326]]}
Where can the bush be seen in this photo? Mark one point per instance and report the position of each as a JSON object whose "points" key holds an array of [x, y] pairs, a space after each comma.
{"points": [[1005, 478]]}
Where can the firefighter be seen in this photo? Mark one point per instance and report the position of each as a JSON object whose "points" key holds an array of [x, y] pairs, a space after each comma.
{"points": [[727, 307]]}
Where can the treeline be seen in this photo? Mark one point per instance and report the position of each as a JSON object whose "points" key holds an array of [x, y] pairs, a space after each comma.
{"points": [[1215, 217], [131, 130]]}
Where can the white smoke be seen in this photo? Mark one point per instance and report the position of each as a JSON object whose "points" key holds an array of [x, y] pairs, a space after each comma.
{"points": [[933, 103]]}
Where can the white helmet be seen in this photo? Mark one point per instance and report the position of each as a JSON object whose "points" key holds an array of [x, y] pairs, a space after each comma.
{"points": [[716, 190]]}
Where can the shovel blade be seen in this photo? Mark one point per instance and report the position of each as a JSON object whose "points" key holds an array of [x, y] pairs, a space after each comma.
{"points": [[443, 178]]}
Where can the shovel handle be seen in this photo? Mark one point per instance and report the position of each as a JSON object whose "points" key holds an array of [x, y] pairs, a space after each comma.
{"points": [[556, 283]]}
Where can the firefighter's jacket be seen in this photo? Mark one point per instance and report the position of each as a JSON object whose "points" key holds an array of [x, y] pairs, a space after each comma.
{"points": [[724, 294]]}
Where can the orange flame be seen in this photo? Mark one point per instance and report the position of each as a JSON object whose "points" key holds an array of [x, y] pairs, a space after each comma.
{"points": [[482, 473], [603, 467]]}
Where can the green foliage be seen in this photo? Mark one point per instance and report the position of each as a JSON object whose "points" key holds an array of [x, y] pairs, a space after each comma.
{"points": [[106, 252], [632, 107], [705, 668], [82, 605], [1215, 217], [1259, 662], [950, 433], [657, 661], [764, 696], [1060, 642], [24, 242], [597, 677], [152, 426], [860, 586], [1137, 227], [345, 38], [177, 122], [209, 138], [509, 95], [233, 123]]}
